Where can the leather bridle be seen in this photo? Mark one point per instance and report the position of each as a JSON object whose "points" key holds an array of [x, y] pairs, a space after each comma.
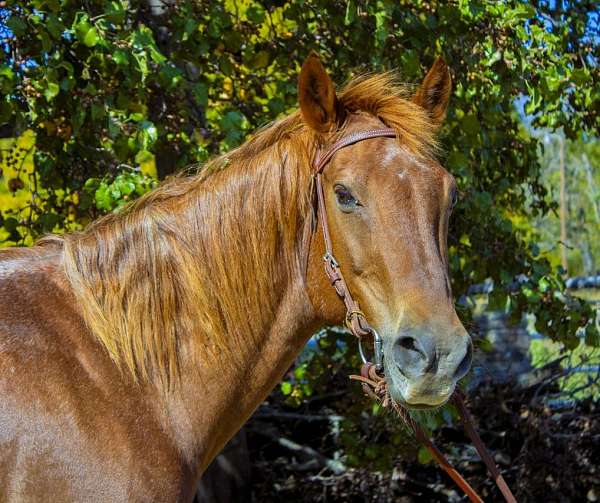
{"points": [[356, 320], [371, 376]]}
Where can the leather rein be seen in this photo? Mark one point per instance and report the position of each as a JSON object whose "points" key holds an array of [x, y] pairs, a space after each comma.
{"points": [[373, 381]]}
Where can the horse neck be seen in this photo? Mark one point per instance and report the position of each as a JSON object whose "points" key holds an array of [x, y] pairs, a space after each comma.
{"points": [[216, 398], [218, 393]]}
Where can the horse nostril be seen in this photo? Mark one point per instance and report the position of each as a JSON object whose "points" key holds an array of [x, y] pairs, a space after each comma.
{"points": [[465, 364], [414, 356], [411, 344]]}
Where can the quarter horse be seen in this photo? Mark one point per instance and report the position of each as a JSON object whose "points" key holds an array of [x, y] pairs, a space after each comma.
{"points": [[132, 351]]}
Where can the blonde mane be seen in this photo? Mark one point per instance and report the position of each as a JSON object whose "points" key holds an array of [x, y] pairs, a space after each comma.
{"points": [[183, 263]]}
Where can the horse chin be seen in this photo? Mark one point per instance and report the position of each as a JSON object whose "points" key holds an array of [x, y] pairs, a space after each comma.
{"points": [[403, 394]]}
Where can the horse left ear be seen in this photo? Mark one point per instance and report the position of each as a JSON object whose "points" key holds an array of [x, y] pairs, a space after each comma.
{"points": [[434, 92], [316, 94]]}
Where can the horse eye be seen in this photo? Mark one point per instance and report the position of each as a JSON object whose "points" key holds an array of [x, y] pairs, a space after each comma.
{"points": [[344, 196]]}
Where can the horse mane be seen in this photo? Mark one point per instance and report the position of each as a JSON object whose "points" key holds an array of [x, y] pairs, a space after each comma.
{"points": [[180, 263]]}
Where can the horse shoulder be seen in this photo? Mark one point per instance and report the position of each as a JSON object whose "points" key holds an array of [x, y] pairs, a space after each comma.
{"points": [[70, 422]]}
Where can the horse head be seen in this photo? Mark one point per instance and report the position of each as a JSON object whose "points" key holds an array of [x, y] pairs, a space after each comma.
{"points": [[388, 204]]}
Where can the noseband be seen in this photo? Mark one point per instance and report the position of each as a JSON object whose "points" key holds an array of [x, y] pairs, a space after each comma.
{"points": [[356, 320]]}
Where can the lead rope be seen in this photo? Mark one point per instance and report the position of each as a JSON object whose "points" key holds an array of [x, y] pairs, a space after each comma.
{"points": [[375, 387], [468, 424]]}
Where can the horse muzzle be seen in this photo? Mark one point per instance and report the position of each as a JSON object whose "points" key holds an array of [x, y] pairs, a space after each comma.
{"points": [[422, 372]]}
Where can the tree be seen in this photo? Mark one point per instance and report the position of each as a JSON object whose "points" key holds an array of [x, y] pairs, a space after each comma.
{"points": [[581, 162]]}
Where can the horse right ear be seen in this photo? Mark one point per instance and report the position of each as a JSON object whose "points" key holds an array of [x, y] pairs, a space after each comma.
{"points": [[316, 94], [434, 92]]}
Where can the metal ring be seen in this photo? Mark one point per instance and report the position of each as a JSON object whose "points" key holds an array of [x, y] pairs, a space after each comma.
{"points": [[377, 351], [361, 351]]}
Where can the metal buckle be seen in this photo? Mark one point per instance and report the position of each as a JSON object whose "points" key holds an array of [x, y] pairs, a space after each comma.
{"points": [[328, 257], [350, 314], [377, 351]]}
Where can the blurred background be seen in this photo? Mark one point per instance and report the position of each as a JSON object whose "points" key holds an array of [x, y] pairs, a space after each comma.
{"points": [[100, 100]]}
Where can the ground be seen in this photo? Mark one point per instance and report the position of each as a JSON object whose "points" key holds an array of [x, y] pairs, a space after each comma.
{"points": [[545, 455]]}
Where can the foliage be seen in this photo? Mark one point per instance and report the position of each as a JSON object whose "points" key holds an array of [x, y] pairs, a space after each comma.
{"points": [[117, 82], [29, 208], [111, 195], [582, 180], [581, 369]]}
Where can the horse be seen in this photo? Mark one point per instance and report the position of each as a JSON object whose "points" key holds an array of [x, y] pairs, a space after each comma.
{"points": [[130, 352]]}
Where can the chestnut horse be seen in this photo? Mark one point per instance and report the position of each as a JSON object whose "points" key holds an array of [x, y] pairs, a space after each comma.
{"points": [[132, 351]]}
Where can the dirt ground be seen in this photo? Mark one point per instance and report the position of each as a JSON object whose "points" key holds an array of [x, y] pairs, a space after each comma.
{"points": [[546, 455]]}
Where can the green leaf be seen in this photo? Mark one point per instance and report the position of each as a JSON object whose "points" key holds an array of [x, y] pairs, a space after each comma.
{"points": [[410, 62], [497, 301], [276, 106], [200, 90], [51, 90], [259, 60], [84, 30], [67, 83], [17, 25], [156, 55], [148, 132], [142, 63], [233, 120], [114, 191], [471, 125], [371, 452], [494, 58], [47, 221], [286, 388], [580, 76], [6, 72], [6, 111], [91, 37], [55, 26], [120, 57], [91, 184], [255, 14], [457, 161], [592, 336], [300, 372], [115, 13], [98, 112], [46, 41], [143, 42], [381, 27], [483, 344], [522, 12], [103, 197], [424, 456], [170, 76], [10, 224], [350, 12]]}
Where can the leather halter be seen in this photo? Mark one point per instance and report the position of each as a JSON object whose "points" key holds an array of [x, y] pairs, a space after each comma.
{"points": [[356, 320]]}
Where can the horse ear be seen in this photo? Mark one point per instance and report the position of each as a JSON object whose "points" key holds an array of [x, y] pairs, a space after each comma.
{"points": [[434, 92], [316, 94]]}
